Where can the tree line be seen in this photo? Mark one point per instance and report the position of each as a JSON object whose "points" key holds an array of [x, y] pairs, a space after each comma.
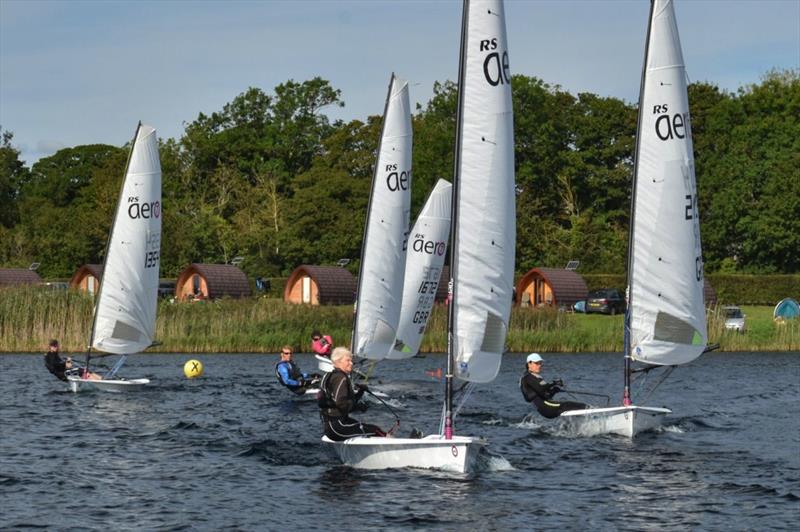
{"points": [[271, 179]]}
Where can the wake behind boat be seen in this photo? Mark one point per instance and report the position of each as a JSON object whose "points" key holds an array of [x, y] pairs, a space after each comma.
{"points": [[125, 308], [665, 323]]}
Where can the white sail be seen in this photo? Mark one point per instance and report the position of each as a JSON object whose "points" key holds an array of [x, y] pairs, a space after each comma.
{"points": [[667, 312], [383, 257], [425, 254], [126, 307], [483, 266]]}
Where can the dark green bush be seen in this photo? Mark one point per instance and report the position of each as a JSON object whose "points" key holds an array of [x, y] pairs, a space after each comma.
{"points": [[754, 289]]}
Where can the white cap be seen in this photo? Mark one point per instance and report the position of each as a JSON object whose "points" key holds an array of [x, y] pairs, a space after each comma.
{"points": [[534, 357]]}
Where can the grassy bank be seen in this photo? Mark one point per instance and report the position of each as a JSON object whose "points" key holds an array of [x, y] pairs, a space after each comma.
{"points": [[30, 316]]}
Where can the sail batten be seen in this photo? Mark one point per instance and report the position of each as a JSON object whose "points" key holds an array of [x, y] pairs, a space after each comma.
{"points": [[383, 254], [667, 313]]}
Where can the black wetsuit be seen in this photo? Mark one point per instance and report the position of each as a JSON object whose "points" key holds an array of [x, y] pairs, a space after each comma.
{"points": [[539, 392], [336, 403], [55, 364]]}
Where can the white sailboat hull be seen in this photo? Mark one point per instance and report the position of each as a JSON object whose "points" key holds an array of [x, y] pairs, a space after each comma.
{"points": [[107, 385], [626, 421], [324, 363], [432, 452]]}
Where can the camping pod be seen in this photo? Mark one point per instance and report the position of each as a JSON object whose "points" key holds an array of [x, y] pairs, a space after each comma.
{"points": [[550, 287], [320, 285], [87, 278], [211, 281]]}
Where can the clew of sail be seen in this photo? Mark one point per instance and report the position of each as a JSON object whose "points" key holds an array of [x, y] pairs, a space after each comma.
{"points": [[427, 248], [667, 309], [485, 198], [125, 312], [383, 255]]}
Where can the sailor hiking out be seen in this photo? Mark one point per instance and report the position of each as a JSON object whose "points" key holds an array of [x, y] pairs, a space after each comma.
{"points": [[337, 400], [62, 367], [289, 373], [54, 363], [538, 391]]}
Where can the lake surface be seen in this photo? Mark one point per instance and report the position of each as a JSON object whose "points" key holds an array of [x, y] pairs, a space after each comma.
{"points": [[236, 450]]}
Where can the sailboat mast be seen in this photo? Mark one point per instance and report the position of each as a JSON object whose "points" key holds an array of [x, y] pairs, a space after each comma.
{"points": [[626, 393], [454, 215], [108, 245], [354, 337]]}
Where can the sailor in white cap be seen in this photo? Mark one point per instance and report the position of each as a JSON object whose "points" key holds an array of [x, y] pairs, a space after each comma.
{"points": [[538, 391]]}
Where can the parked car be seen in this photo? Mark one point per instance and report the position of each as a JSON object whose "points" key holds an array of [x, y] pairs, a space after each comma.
{"points": [[166, 289], [734, 319], [605, 301]]}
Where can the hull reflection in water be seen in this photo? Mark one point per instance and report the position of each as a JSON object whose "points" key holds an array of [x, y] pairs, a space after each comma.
{"points": [[458, 454]]}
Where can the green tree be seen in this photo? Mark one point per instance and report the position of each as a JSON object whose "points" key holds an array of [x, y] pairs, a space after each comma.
{"points": [[66, 206], [326, 213], [749, 169], [12, 174], [434, 139]]}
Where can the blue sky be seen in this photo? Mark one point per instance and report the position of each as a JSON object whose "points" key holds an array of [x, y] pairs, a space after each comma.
{"points": [[84, 72]]}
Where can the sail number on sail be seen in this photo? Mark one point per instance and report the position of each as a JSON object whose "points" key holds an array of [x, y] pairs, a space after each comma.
{"points": [[669, 127], [426, 294], [147, 210], [152, 250]]}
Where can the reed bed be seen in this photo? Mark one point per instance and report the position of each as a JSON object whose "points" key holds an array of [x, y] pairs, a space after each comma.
{"points": [[29, 316]]}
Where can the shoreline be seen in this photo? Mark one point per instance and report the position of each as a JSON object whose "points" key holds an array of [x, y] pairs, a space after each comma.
{"points": [[29, 318]]}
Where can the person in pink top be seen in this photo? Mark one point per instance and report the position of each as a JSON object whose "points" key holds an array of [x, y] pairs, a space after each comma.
{"points": [[321, 344]]}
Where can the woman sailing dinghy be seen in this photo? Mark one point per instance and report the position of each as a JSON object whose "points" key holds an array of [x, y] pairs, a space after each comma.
{"points": [[125, 308], [665, 324]]}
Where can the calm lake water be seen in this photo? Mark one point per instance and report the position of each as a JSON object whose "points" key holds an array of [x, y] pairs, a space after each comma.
{"points": [[235, 450]]}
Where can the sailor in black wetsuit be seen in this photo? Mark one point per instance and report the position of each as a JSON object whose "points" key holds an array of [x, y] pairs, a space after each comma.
{"points": [[290, 375], [54, 363], [538, 391], [337, 400]]}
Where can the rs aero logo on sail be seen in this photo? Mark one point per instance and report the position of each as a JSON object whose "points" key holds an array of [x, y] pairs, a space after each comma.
{"points": [[137, 209], [397, 180], [420, 245], [495, 65]]}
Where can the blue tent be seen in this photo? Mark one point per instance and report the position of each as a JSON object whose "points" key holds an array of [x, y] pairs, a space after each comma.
{"points": [[787, 309]]}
